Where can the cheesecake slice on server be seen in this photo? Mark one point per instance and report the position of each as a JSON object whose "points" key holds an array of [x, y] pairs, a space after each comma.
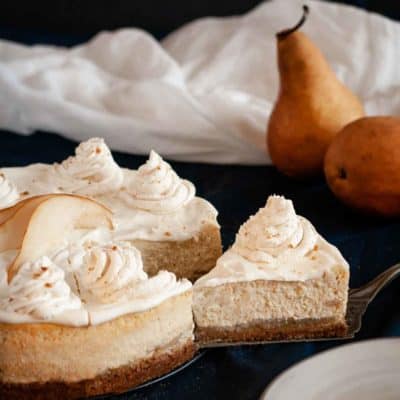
{"points": [[279, 280]]}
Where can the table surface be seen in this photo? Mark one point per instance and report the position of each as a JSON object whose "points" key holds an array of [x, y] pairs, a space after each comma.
{"points": [[369, 245]]}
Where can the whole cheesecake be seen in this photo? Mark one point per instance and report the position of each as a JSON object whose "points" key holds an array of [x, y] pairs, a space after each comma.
{"points": [[154, 209], [78, 314], [279, 281]]}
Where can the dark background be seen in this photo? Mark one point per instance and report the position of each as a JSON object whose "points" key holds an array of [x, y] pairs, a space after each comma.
{"points": [[370, 246], [81, 19]]}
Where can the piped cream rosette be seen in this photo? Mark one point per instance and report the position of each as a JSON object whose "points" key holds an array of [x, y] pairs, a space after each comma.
{"points": [[155, 187], [110, 280], [91, 171], [275, 233]]}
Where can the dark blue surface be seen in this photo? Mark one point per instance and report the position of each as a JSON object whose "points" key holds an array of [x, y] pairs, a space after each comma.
{"points": [[242, 373]]}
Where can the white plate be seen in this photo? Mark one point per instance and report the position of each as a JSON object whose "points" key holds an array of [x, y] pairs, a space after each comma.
{"points": [[368, 370]]}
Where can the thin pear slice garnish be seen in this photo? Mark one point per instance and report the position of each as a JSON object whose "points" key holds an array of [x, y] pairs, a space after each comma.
{"points": [[40, 226], [14, 221], [8, 212]]}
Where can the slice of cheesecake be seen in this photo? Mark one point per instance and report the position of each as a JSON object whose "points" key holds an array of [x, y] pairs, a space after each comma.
{"points": [[153, 207], [279, 280]]}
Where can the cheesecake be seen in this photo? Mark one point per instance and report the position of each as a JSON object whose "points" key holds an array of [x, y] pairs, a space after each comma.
{"points": [[280, 280], [79, 316], [154, 209]]}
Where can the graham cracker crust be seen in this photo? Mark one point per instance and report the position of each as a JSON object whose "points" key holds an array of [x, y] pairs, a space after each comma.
{"points": [[111, 382], [277, 330]]}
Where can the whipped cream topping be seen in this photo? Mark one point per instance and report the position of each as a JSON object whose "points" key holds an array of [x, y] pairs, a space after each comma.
{"points": [[110, 280], [103, 273], [275, 244], [156, 187], [151, 204], [39, 291], [91, 171], [8, 192], [275, 232], [81, 284], [109, 272], [139, 295]]}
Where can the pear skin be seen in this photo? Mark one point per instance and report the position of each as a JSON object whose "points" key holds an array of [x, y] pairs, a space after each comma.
{"points": [[312, 106], [14, 222], [362, 165]]}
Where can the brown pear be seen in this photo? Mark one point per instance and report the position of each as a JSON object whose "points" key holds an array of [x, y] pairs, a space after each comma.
{"points": [[362, 165], [312, 106]]}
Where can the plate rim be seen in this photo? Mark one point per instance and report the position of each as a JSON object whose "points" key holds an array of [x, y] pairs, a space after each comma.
{"points": [[323, 353]]}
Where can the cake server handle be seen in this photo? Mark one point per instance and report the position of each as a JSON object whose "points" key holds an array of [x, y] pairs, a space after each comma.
{"points": [[361, 297], [372, 288]]}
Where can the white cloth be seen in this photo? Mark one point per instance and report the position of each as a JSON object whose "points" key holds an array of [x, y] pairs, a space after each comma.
{"points": [[202, 94]]}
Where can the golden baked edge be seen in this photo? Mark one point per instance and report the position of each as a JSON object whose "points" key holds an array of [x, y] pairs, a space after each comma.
{"points": [[46, 361], [115, 380]]}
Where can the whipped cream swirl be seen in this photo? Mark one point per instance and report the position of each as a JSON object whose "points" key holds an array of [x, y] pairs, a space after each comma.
{"points": [[39, 290], [92, 171], [8, 192], [275, 232], [83, 284], [113, 273], [102, 273], [155, 187]]}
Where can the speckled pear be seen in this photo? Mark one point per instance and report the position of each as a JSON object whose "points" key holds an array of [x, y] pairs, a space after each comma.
{"points": [[362, 165]]}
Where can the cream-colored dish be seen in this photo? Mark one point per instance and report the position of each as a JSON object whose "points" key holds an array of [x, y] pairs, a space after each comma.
{"points": [[366, 370]]}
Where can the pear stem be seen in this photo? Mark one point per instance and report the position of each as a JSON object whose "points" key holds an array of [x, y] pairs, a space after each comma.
{"points": [[287, 32]]}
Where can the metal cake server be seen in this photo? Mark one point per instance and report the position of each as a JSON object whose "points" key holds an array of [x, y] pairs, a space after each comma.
{"points": [[360, 298], [357, 304]]}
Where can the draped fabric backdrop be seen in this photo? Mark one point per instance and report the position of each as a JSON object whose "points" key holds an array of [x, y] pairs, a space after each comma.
{"points": [[202, 94]]}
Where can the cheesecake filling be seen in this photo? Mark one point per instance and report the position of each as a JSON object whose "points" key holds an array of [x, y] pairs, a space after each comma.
{"points": [[275, 244], [152, 203], [82, 284]]}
